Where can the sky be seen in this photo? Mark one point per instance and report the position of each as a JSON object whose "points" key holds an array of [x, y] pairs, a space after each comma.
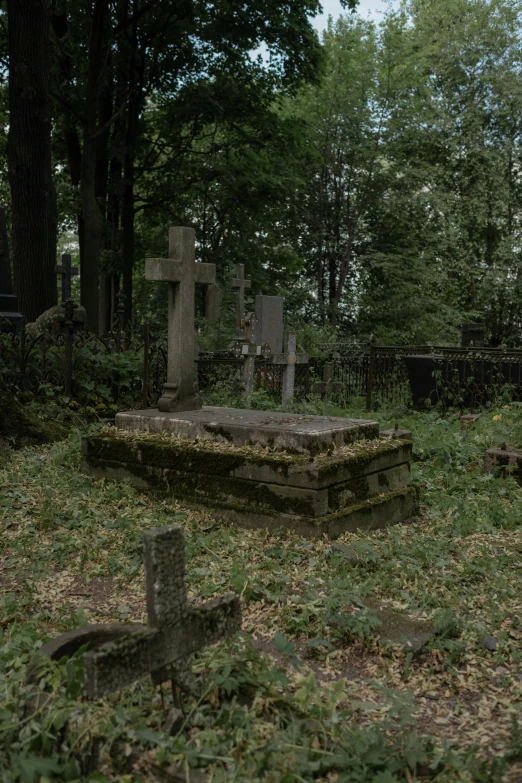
{"points": [[371, 8]]}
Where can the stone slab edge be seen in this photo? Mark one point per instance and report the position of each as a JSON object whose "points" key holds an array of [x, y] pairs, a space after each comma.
{"points": [[318, 474], [285, 440]]}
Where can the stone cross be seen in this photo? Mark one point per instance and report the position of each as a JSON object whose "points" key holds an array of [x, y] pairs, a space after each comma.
{"points": [[174, 631], [289, 361], [181, 272], [67, 272], [327, 386], [240, 284]]}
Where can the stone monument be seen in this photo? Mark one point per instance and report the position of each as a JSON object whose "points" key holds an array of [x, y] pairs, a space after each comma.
{"points": [[313, 474], [270, 320], [67, 271], [181, 272], [240, 284]]}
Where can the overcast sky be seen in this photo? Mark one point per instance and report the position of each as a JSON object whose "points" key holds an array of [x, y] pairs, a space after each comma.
{"points": [[365, 8]]}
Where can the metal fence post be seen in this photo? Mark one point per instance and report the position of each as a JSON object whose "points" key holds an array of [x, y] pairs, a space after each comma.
{"points": [[146, 349], [371, 374], [68, 307]]}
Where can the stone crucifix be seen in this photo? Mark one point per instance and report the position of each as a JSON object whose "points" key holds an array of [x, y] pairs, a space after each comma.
{"points": [[240, 284], [181, 272], [289, 360], [174, 631], [67, 271]]}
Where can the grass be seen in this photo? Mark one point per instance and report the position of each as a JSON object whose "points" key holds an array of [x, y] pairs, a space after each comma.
{"points": [[296, 697]]}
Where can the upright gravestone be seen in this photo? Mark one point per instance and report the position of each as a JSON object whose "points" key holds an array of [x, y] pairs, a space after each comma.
{"points": [[289, 361], [181, 272], [240, 284], [8, 300], [67, 271], [270, 322], [213, 299]]}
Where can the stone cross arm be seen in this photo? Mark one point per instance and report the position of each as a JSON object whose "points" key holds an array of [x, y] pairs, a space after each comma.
{"points": [[126, 660], [169, 270]]}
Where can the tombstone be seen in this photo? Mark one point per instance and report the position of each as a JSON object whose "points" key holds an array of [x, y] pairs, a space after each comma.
{"points": [[327, 387], [8, 300], [182, 273], [213, 299], [473, 336], [289, 361], [240, 285], [67, 271], [162, 648], [269, 316]]}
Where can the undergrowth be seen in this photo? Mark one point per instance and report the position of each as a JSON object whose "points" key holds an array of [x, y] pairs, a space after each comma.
{"points": [[296, 697]]}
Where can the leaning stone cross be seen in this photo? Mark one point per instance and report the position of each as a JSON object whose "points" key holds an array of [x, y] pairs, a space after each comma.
{"points": [[181, 272], [240, 284], [174, 630], [67, 272]]}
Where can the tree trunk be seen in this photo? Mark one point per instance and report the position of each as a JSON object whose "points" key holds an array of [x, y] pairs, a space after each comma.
{"points": [[34, 216], [128, 193], [92, 217]]}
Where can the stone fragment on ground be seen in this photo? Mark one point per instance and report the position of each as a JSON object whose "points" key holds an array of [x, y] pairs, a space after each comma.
{"points": [[397, 433], [398, 628], [467, 420], [490, 643], [349, 552], [506, 459]]}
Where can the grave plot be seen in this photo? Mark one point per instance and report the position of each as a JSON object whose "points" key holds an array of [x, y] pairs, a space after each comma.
{"points": [[357, 480], [317, 475]]}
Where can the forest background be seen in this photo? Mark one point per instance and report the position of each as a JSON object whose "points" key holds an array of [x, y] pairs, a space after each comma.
{"points": [[373, 178]]}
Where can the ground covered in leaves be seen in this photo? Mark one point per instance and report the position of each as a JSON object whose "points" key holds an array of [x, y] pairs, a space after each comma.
{"points": [[309, 691]]}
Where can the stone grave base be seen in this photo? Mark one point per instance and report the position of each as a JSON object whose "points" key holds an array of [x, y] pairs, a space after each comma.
{"points": [[360, 485]]}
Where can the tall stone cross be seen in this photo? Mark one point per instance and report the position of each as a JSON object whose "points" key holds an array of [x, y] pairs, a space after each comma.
{"points": [[67, 272], [174, 631], [240, 284], [181, 272]]}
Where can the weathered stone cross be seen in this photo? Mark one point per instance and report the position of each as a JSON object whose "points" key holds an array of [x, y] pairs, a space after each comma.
{"points": [[240, 284], [182, 273], [67, 272], [174, 631], [289, 361]]}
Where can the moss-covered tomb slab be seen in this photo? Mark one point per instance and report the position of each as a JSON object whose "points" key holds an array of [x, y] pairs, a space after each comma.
{"points": [[248, 463], [256, 486], [289, 432]]}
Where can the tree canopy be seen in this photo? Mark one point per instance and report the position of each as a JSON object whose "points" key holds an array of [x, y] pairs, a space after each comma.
{"points": [[371, 177]]}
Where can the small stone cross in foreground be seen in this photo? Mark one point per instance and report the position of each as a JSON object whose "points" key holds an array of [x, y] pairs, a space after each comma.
{"points": [[67, 272], [174, 631], [181, 272], [240, 284]]}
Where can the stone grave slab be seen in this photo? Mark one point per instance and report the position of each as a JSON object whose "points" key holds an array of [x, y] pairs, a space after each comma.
{"points": [[289, 432], [364, 484]]}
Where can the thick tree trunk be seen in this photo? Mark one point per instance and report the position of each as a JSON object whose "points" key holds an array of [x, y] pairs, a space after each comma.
{"points": [[34, 217], [92, 216]]}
